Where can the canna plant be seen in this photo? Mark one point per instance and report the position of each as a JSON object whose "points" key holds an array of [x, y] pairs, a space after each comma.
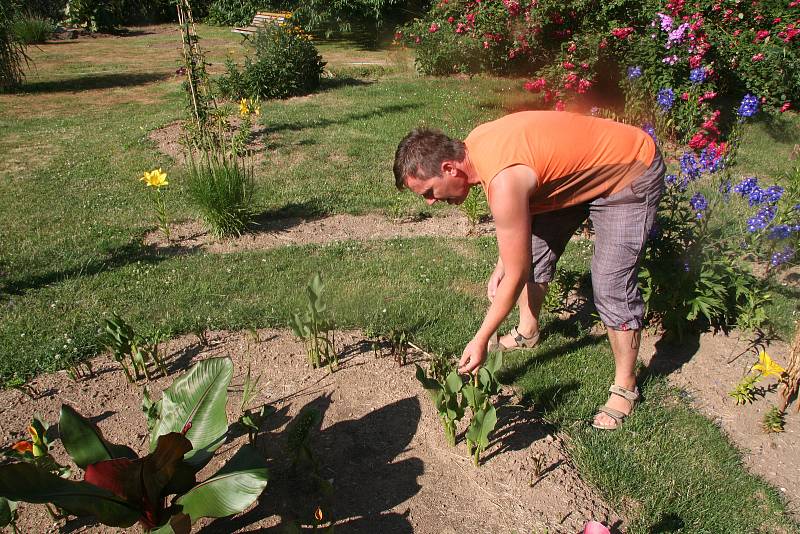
{"points": [[158, 490], [315, 328], [444, 394], [478, 393], [119, 337]]}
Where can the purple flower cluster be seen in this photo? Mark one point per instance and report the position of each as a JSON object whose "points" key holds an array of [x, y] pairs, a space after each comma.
{"points": [[697, 75], [666, 22], [676, 35], [783, 231], [634, 72], [651, 130], [748, 107], [665, 98], [670, 179], [693, 166], [699, 204], [783, 256], [762, 218], [749, 188]]}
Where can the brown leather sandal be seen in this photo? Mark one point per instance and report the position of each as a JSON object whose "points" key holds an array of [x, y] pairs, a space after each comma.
{"points": [[619, 417], [520, 342]]}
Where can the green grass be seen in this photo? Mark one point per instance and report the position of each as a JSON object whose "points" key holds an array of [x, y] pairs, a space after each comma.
{"points": [[73, 214]]}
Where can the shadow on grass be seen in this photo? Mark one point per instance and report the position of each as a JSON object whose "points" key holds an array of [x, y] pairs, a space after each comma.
{"points": [[359, 456], [114, 259], [780, 128], [277, 127], [95, 81], [329, 84]]}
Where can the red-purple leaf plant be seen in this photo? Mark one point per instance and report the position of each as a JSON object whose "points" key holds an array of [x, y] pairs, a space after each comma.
{"points": [[159, 490]]}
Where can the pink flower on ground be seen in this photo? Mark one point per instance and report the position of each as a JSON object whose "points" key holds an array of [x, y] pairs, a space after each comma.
{"points": [[595, 527], [450, 20], [708, 95], [736, 33], [695, 61], [761, 35], [685, 96], [461, 27], [585, 66], [572, 47], [758, 57], [560, 105], [434, 28], [417, 40], [604, 43], [567, 65], [785, 107], [584, 86]]}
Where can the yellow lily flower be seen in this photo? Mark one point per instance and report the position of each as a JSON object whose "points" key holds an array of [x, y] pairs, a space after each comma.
{"points": [[257, 110], [155, 178], [243, 108], [766, 366]]}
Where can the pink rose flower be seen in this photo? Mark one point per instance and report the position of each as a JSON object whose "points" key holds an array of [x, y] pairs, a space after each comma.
{"points": [[758, 57]]}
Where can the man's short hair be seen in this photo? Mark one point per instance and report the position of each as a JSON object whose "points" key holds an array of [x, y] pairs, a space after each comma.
{"points": [[421, 153]]}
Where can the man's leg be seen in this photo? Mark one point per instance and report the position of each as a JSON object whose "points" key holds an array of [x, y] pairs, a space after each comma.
{"points": [[550, 233], [622, 223], [530, 304]]}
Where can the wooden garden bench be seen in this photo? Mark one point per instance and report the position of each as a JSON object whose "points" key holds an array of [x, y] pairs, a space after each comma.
{"points": [[260, 20]]}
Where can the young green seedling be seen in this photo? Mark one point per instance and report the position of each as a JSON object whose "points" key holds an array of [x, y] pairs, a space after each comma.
{"points": [[446, 399], [315, 328], [478, 393]]}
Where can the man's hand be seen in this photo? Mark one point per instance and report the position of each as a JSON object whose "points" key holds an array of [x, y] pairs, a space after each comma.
{"points": [[494, 281], [473, 356]]}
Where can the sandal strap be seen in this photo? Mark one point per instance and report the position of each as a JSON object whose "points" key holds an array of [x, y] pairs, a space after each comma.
{"points": [[631, 396], [616, 415], [522, 341]]}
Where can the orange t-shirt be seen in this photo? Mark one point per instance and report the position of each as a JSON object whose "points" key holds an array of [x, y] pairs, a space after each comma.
{"points": [[576, 158]]}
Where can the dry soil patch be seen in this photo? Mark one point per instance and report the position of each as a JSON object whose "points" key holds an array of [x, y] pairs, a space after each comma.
{"points": [[702, 369], [380, 443], [192, 236]]}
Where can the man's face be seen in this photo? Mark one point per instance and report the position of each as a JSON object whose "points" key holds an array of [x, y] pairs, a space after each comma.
{"points": [[451, 187]]}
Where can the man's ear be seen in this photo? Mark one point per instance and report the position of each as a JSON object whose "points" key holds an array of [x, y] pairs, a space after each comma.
{"points": [[448, 168]]}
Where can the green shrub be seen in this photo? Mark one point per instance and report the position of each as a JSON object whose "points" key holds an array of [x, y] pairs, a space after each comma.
{"points": [[222, 188], [234, 12], [12, 51], [30, 29], [284, 63]]}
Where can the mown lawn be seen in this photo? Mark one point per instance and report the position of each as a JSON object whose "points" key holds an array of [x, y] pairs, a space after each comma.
{"points": [[72, 218]]}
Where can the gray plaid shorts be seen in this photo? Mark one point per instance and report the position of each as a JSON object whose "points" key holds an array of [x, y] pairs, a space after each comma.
{"points": [[621, 224]]}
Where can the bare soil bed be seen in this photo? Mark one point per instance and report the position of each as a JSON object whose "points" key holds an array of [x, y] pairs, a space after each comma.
{"points": [[192, 236], [702, 367], [380, 444]]}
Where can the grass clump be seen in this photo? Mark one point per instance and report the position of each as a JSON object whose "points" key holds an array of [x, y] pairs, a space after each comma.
{"points": [[221, 188], [32, 29], [12, 50]]}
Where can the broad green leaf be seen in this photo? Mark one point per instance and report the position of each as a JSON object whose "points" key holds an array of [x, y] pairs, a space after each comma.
{"points": [[26, 482], [453, 383], [7, 509], [475, 397], [198, 398], [231, 490], [482, 424], [84, 441], [428, 383], [177, 524]]}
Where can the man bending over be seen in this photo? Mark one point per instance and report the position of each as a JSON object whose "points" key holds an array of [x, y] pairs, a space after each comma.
{"points": [[544, 173]]}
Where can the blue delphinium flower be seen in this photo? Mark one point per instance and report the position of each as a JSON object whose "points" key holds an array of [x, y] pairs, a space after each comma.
{"points": [[699, 204], [745, 186], [697, 75], [665, 98], [670, 179], [634, 72], [651, 130], [773, 194], [749, 106], [725, 189], [756, 196], [690, 167], [760, 220], [783, 256], [710, 161], [780, 231]]}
